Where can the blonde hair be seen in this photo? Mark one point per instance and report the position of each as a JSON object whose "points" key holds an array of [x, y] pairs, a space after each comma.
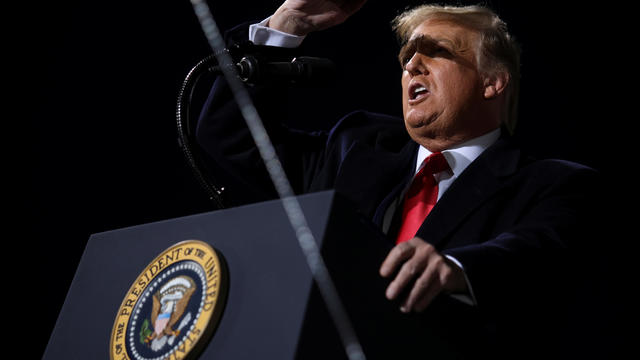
{"points": [[499, 52]]}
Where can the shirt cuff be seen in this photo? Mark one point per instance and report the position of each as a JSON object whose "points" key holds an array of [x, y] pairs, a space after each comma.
{"points": [[470, 298], [260, 34]]}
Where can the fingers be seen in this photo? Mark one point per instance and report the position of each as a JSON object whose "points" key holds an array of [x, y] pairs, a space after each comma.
{"points": [[407, 273], [427, 286], [398, 255], [417, 260], [300, 17]]}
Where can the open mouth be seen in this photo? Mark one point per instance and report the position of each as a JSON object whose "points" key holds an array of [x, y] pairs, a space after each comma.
{"points": [[417, 92]]}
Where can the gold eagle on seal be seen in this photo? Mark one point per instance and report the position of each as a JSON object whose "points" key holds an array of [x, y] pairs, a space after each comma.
{"points": [[169, 304]]}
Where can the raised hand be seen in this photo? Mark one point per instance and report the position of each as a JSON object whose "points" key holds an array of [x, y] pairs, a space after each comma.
{"points": [[300, 17]]}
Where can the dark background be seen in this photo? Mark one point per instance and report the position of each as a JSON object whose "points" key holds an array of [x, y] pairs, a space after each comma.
{"points": [[94, 145]]}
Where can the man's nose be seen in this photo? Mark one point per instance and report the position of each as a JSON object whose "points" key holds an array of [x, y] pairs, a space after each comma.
{"points": [[416, 65]]}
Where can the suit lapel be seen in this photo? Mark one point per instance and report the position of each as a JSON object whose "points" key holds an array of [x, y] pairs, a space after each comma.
{"points": [[367, 175], [483, 178]]}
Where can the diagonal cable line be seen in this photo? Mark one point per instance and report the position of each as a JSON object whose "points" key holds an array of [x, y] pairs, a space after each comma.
{"points": [[291, 205]]}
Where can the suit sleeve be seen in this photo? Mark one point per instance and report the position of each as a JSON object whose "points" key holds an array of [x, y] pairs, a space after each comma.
{"points": [[536, 259], [223, 135]]}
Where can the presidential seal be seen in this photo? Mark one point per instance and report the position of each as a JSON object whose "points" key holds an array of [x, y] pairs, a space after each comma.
{"points": [[173, 307]]}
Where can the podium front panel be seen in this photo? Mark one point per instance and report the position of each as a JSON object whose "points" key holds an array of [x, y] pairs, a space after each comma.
{"points": [[269, 281]]}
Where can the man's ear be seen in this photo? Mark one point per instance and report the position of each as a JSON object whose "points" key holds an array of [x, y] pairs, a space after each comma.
{"points": [[495, 84]]}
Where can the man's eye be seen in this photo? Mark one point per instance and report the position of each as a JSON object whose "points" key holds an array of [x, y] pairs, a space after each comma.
{"points": [[440, 51]]}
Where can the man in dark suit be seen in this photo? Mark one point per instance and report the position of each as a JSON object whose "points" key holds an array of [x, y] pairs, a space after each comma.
{"points": [[499, 231]]}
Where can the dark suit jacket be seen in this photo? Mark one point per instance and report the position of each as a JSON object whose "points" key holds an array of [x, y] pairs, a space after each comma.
{"points": [[519, 226]]}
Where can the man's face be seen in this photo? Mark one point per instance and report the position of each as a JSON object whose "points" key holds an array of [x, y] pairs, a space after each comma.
{"points": [[442, 90]]}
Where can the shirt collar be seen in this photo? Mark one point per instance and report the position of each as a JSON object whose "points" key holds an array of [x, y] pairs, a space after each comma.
{"points": [[461, 155]]}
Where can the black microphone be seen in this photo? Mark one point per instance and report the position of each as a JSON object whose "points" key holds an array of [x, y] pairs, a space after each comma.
{"points": [[303, 69]]}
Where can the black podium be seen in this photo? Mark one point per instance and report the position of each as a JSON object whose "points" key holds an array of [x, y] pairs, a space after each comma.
{"points": [[273, 310]]}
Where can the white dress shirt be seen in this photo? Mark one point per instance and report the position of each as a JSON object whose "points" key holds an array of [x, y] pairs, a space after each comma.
{"points": [[260, 34], [458, 157]]}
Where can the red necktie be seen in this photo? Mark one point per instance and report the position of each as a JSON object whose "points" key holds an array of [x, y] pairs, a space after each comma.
{"points": [[421, 196]]}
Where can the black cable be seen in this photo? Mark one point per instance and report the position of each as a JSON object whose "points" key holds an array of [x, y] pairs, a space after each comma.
{"points": [[186, 135]]}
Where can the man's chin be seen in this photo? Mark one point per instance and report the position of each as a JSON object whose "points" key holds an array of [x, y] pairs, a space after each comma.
{"points": [[422, 136], [416, 118]]}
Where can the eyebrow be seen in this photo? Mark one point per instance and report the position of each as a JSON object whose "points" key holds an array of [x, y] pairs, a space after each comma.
{"points": [[423, 42], [423, 38]]}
